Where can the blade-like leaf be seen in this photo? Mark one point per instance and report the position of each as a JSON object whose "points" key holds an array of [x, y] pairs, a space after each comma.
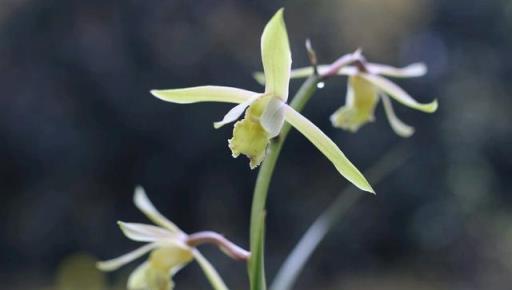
{"points": [[276, 57], [328, 148], [204, 94], [400, 128], [256, 261], [398, 94]]}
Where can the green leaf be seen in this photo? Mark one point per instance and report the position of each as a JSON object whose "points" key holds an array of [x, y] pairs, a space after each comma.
{"points": [[328, 148], [276, 57], [205, 94]]}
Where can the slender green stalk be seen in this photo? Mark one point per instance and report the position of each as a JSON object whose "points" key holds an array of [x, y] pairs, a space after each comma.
{"points": [[294, 263], [257, 227]]}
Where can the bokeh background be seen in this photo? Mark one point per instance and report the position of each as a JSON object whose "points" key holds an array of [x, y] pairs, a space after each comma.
{"points": [[78, 130]]}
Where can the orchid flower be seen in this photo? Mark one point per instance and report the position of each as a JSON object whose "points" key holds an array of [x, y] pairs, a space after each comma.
{"points": [[266, 112], [366, 86], [170, 249]]}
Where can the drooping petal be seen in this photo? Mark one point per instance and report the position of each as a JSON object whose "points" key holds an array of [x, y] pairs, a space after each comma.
{"points": [[328, 148], [116, 263], [204, 94], [147, 233], [235, 112], [276, 57], [400, 128], [361, 100], [209, 271], [272, 119], [413, 70], [399, 94], [143, 203]]}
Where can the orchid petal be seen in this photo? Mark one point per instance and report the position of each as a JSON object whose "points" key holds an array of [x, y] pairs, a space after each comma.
{"points": [[116, 263], [399, 94], [413, 70], [328, 148], [146, 233], [276, 57], [137, 279], [272, 119], [400, 128], [235, 112], [143, 203], [204, 94], [210, 272]]}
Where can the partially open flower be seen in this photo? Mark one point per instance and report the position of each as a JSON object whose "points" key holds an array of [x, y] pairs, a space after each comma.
{"points": [[170, 249], [266, 112], [366, 86]]}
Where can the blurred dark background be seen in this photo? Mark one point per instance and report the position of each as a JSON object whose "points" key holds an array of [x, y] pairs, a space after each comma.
{"points": [[78, 130]]}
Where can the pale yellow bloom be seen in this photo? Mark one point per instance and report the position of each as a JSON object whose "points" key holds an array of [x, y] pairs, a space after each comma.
{"points": [[167, 248], [265, 113]]}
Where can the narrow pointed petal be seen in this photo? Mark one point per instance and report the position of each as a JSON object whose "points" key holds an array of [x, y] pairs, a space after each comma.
{"points": [[116, 263], [235, 113], [399, 94], [204, 94], [413, 70], [400, 128], [276, 57], [147, 233], [328, 148], [272, 119], [211, 274], [143, 203]]}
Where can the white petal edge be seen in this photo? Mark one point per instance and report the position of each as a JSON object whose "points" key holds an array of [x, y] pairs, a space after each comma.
{"points": [[147, 233], [276, 56], [143, 203], [235, 112], [204, 94], [328, 148], [397, 93], [211, 274], [116, 263], [399, 127], [272, 119], [413, 70]]}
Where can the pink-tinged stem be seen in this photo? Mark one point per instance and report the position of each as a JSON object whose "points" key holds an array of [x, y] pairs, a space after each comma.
{"points": [[226, 246]]}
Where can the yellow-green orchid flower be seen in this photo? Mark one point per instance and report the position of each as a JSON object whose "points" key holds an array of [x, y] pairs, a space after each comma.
{"points": [[366, 86], [169, 250], [266, 112]]}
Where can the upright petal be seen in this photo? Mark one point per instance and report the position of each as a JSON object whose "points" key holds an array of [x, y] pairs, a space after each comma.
{"points": [[148, 233], [398, 94], [204, 94], [116, 263], [413, 70], [143, 203], [328, 148], [276, 57], [272, 118], [400, 128], [235, 112]]}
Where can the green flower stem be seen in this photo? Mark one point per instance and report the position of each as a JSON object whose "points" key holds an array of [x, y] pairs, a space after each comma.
{"points": [[294, 263], [256, 262]]}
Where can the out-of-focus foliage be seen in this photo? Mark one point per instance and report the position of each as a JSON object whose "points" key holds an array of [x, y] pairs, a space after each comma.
{"points": [[78, 129]]}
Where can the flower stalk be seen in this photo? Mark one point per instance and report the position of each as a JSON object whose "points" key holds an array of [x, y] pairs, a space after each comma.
{"points": [[257, 276]]}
